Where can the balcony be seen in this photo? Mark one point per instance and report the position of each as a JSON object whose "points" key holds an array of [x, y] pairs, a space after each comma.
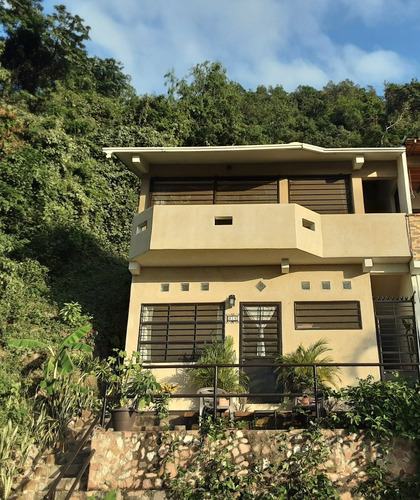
{"points": [[264, 234]]}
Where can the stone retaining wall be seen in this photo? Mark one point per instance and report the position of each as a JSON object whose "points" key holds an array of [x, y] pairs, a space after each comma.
{"points": [[414, 226], [133, 461]]}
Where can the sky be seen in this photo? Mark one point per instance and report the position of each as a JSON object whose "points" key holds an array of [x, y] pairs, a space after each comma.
{"points": [[259, 42]]}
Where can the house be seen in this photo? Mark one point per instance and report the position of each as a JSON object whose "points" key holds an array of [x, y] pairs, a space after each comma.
{"points": [[274, 245]]}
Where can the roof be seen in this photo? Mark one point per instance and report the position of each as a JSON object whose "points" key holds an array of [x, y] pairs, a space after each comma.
{"points": [[138, 159]]}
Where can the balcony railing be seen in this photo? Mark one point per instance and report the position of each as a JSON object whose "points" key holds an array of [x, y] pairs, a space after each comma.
{"points": [[315, 393]]}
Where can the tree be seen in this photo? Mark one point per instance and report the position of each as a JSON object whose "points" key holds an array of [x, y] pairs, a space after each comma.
{"points": [[210, 103], [40, 49]]}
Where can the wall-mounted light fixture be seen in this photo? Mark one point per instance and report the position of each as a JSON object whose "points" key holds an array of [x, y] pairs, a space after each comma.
{"points": [[231, 300]]}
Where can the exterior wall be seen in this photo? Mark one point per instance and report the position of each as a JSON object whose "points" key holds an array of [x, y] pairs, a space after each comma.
{"points": [[259, 232], [347, 345], [181, 243], [133, 461]]}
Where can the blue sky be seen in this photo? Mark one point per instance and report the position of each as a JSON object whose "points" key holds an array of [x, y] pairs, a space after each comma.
{"points": [[259, 42]]}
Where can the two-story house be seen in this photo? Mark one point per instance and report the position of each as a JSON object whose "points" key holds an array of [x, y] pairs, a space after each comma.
{"points": [[274, 245]]}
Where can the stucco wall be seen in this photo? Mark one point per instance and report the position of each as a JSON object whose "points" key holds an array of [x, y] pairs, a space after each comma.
{"points": [[347, 345]]}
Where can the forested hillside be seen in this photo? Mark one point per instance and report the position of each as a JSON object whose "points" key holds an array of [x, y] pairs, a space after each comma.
{"points": [[65, 210]]}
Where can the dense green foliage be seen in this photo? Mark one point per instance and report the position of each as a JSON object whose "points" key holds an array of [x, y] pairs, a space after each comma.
{"points": [[66, 210], [382, 409], [213, 474]]}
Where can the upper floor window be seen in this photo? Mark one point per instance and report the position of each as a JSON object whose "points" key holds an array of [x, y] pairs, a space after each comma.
{"points": [[326, 195], [322, 194], [208, 191]]}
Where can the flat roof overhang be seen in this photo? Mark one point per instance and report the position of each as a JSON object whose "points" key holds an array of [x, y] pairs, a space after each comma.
{"points": [[139, 159]]}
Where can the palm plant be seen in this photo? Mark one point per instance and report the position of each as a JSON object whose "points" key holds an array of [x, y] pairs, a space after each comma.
{"points": [[300, 379], [228, 378], [60, 361]]}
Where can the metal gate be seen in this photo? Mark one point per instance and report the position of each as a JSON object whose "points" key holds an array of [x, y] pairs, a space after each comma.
{"points": [[397, 336]]}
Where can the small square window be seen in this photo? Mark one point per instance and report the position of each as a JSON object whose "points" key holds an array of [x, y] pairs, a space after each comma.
{"points": [[306, 285], [164, 287], [346, 285], [185, 287], [308, 224], [326, 285], [141, 227], [205, 287], [223, 221]]}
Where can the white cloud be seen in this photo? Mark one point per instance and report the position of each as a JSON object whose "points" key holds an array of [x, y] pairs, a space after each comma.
{"points": [[373, 12], [266, 42]]}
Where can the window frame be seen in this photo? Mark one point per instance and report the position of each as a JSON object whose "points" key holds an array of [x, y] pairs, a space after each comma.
{"points": [[193, 322], [322, 325], [242, 331]]}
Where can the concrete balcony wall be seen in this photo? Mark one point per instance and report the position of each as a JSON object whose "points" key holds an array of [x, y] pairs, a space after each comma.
{"points": [[262, 234]]}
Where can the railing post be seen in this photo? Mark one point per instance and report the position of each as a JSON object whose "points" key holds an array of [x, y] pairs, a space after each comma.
{"points": [[316, 393], [215, 393], [104, 406]]}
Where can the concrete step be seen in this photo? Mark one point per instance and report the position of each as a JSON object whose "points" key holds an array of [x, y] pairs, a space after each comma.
{"points": [[64, 457]]}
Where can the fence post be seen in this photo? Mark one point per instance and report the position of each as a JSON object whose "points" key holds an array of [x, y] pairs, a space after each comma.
{"points": [[215, 393], [104, 405], [316, 393]]}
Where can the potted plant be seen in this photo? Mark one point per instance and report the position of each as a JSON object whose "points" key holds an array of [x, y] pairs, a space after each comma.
{"points": [[130, 387], [300, 379], [229, 379]]}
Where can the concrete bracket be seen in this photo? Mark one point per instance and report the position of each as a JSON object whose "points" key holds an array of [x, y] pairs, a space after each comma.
{"points": [[134, 268]]}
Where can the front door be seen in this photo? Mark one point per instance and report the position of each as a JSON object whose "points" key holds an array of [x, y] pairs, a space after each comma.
{"points": [[260, 340]]}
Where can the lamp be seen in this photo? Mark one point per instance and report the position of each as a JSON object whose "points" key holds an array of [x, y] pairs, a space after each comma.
{"points": [[231, 300]]}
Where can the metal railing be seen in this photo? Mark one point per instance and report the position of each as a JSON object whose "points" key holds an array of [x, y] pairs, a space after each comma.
{"points": [[392, 367], [50, 495]]}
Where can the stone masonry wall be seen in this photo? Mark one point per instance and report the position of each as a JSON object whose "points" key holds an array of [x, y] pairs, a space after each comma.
{"points": [[133, 461], [414, 227]]}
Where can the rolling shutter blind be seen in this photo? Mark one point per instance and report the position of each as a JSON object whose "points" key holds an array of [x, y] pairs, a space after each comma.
{"points": [[177, 332], [341, 315], [182, 191], [322, 195], [207, 191], [246, 191]]}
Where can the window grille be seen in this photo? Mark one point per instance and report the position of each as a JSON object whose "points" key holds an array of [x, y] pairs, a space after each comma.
{"points": [[177, 332], [340, 315]]}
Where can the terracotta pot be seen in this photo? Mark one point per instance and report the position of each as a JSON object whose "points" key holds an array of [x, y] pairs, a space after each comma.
{"points": [[304, 401], [223, 402], [123, 419]]}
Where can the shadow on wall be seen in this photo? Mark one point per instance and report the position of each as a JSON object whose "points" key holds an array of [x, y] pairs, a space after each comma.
{"points": [[365, 350], [84, 271]]}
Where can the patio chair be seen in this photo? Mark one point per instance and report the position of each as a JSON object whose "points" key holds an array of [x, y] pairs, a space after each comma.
{"points": [[207, 403]]}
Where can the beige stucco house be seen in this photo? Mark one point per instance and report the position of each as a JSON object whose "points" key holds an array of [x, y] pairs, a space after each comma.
{"points": [[274, 245]]}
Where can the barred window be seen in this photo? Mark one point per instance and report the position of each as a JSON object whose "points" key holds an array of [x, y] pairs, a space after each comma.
{"points": [[340, 315], [177, 332]]}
